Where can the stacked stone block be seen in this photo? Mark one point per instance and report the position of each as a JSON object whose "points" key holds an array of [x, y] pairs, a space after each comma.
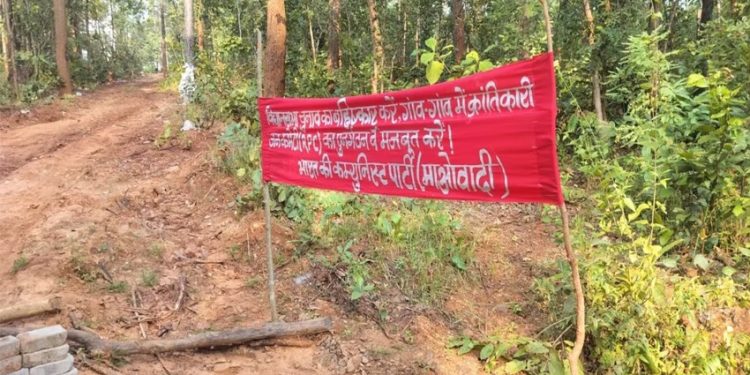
{"points": [[39, 352]]}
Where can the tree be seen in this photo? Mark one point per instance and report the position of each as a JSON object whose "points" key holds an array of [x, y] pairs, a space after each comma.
{"points": [[8, 45], [275, 51], [595, 81], [334, 28], [459, 34], [61, 41], [377, 45], [189, 37], [163, 40], [707, 11]]}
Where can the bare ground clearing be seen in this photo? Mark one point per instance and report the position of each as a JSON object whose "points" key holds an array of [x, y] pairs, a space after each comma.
{"points": [[82, 185]]}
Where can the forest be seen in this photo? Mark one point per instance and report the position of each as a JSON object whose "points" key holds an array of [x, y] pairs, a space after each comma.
{"points": [[653, 141]]}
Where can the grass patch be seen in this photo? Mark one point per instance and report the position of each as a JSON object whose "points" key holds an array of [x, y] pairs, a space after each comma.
{"points": [[20, 263], [118, 287], [149, 278], [156, 250], [416, 246]]}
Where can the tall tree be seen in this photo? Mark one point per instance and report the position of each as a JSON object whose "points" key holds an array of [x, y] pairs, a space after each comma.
{"points": [[377, 45], [201, 28], [707, 11], [459, 33], [334, 28], [275, 51], [657, 13], [61, 41], [313, 44], [8, 44], [189, 37], [163, 39], [595, 81]]}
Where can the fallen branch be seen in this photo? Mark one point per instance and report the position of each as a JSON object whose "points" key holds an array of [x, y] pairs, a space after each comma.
{"points": [[98, 346], [29, 309]]}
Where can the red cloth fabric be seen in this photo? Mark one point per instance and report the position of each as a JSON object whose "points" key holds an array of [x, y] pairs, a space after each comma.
{"points": [[485, 137]]}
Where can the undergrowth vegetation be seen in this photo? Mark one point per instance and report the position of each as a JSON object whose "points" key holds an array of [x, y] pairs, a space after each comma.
{"points": [[661, 220]]}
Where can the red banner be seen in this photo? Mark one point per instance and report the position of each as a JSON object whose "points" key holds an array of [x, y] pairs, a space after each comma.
{"points": [[486, 137]]}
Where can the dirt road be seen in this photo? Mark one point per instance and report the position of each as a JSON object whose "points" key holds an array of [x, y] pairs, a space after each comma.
{"points": [[93, 212]]}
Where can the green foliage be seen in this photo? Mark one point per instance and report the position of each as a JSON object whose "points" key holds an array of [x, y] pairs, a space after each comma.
{"points": [[20, 263], [149, 278], [512, 355], [417, 247], [118, 287], [664, 222]]}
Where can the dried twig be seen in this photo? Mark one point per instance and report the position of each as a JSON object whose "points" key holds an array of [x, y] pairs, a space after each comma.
{"points": [[105, 273], [137, 315], [181, 296], [163, 365]]}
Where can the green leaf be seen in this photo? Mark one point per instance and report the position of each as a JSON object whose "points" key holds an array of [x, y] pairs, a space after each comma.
{"points": [[515, 366], [486, 352], [738, 210], [467, 346], [745, 252], [669, 262], [485, 65], [728, 271], [458, 262], [629, 203], [697, 80], [555, 366], [431, 43], [434, 71], [426, 57], [701, 261], [241, 172], [536, 347], [472, 56]]}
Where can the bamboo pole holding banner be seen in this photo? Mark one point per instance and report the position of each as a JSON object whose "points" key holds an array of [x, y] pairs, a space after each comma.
{"points": [[574, 354], [266, 195]]}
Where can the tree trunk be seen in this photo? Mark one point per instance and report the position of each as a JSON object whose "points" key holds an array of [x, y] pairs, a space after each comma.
{"points": [[189, 37], [334, 29], [8, 44], [657, 12], [417, 38], [61, 40], [402, 13], [275, 51], [377, 45], [707, 12], [200, 26], [313, 50], [595, 76], [163, 40], [459, 34]]}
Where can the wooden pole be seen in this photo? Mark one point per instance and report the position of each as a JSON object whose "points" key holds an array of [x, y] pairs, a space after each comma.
{"points": [[575, 353], [266, 197], [580, 302]]}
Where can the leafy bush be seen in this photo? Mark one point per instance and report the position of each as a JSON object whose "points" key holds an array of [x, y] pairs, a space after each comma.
{"points": [[664, 227]]}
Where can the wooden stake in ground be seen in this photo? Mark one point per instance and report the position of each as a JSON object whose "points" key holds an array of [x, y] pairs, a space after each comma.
{"points": [[574, 354], [267, 199]]}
